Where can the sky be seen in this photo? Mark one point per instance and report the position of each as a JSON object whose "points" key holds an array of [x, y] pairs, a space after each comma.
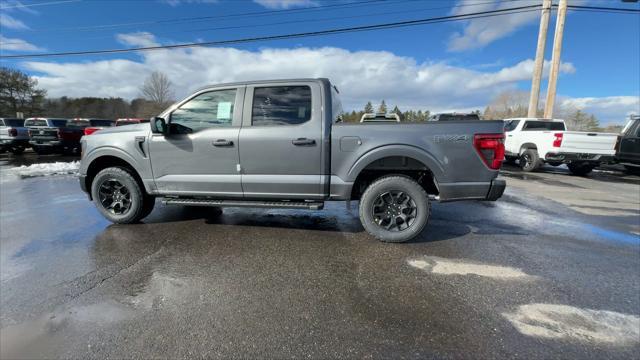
{"points": [[446, 66]]}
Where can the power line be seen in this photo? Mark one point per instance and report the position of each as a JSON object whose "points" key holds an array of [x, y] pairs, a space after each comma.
{"points": [[290, 22], [603, 8], [294, 35], [37, 4], [233, 15]]}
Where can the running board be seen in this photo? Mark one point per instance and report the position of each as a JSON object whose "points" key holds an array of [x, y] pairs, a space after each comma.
{"points": [[241, 203]]}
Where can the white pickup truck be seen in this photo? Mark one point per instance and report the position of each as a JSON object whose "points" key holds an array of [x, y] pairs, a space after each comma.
{"points": [[535, 141]]}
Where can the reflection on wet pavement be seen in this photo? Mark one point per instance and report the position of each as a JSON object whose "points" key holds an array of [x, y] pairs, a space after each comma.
{"points": [[197, 282]]}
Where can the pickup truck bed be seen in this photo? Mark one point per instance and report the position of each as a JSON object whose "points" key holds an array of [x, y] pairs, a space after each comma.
{"points": [[281, 143]]}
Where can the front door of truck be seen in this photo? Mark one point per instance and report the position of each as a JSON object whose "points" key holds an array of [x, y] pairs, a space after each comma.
{"points": [[200, 154], [281, 141]]}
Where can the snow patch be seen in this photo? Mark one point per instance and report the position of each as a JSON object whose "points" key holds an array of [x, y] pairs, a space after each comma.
{"points": [[45, 169], [443, 266], [571, 323]]}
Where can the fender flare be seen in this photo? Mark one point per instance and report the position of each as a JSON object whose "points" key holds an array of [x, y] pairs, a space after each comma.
{"points": [[525, 146], [140, 168], [409, 151]]}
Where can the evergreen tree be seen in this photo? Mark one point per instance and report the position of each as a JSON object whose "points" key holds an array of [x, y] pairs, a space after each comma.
{"points": [[383, 107], [368, 108]]}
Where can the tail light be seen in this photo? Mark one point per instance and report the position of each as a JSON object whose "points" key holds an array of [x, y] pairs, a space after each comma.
{"points": [[90, 130], [490, 147], [618, 138], [13, 132], [557, 142], [59, 133], [30, 134]]}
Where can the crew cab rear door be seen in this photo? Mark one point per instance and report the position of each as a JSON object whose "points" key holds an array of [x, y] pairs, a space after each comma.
{"points": [[280, 141], [199, 156]]}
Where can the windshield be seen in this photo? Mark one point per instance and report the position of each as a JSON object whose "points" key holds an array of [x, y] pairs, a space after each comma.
{"points": [[103, 123], [78, 123]]}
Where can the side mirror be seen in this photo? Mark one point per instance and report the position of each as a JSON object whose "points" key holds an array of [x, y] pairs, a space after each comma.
{"points": [[159, 125]]}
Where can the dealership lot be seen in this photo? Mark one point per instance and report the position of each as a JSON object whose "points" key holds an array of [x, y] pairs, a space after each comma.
{"points": [[550, 270]]}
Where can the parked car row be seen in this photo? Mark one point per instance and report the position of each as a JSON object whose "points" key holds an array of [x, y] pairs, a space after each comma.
{"points": [[52, 135]]}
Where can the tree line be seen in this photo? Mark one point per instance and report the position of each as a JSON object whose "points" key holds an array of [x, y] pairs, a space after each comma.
{"points": [[19, 93]]}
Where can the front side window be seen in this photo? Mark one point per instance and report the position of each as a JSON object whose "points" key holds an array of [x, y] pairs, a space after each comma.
{"points": [[281, 105], [210, 109], [35, 122]]}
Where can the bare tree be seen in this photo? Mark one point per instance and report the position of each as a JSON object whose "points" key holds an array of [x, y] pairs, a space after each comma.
{"points": [[508, 104], [157, 88]]}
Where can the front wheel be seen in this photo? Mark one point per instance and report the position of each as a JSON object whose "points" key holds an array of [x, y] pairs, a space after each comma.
{"points": [[580, 169], [119, 197], [394, 208]]}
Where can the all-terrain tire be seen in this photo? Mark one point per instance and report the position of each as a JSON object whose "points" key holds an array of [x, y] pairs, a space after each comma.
{"points": [[395, 183], [580, 169], [529, 160], [138, 200], [632, 170]]}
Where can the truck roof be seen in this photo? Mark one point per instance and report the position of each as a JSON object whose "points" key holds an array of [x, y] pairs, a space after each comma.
{"points": [[272, 81]]}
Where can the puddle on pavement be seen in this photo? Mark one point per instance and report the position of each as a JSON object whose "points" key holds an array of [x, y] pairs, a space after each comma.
{"points": [[436, 265], [552, 321], [36, 338]]}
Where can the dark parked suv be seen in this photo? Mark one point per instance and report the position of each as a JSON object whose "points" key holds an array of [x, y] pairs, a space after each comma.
{"points": [[628, 150]]}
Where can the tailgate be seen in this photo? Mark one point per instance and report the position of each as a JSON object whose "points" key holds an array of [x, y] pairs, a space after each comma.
{"points": [[591, 143], [43, 134]]}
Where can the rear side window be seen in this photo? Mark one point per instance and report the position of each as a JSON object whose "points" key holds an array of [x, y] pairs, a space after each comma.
{"points": [[511, 125], [281, 105], [543, 125]]}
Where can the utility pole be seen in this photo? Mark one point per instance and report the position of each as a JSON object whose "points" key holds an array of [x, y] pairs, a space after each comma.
{"points": [[539, 63], [555, 60]]}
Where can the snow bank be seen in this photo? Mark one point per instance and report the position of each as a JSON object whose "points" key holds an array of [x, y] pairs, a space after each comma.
{"points": [[45, 169]]}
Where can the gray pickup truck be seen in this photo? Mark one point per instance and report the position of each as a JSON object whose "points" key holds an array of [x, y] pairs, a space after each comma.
{"points": [[281, 144]]}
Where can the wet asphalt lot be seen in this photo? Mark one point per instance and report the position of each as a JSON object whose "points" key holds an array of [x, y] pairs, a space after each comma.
{"points": [[552, 270]]}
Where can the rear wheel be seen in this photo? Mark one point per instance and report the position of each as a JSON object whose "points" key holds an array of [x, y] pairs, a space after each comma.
{"points": [[119, 197], [581, 168], [529, 160], [394, 208]]}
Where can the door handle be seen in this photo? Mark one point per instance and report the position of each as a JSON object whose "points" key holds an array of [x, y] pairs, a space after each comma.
{"points": [[303, 142], [223, 142]]}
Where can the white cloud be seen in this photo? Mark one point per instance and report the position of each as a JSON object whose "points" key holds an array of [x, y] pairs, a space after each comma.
{"points": [[285, 4], [482, 31], [610, 109], [12, 44], [141, 39], [361, 75], [9, 22]]}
